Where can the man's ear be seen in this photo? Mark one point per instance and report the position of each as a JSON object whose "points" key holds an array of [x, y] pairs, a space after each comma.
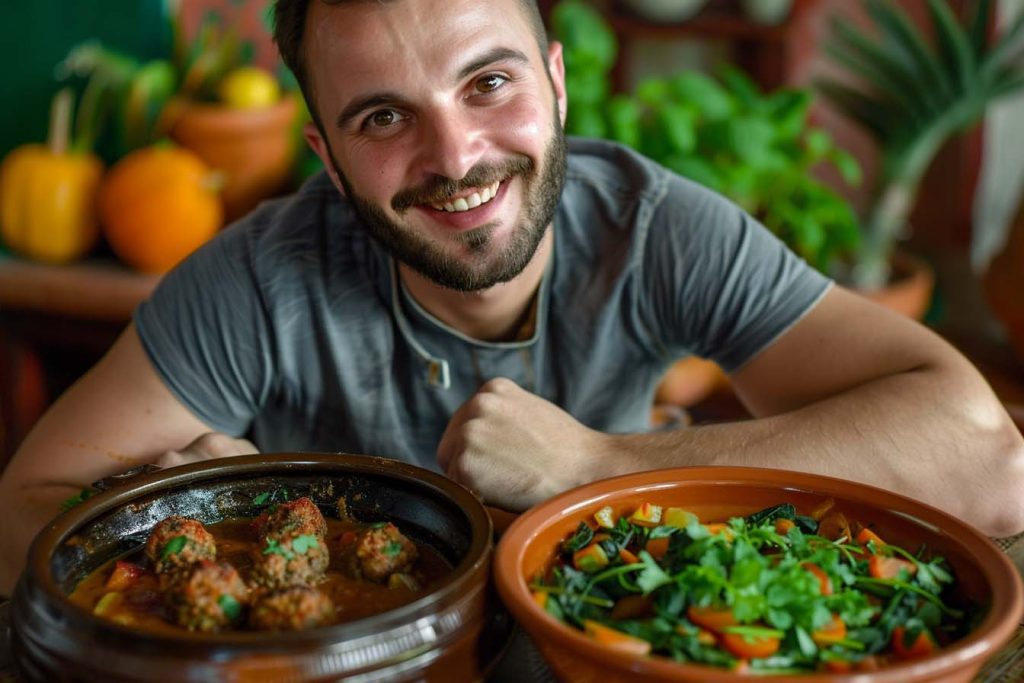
{"points": [[556, 67], [316, 142]]}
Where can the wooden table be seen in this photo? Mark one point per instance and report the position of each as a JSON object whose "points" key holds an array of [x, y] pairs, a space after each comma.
{"points": [[55, 322]]}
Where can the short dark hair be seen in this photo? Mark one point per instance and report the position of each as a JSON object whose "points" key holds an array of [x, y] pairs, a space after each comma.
{"points": [[290, 28]]}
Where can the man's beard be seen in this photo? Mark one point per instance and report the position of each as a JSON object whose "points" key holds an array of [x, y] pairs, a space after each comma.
{"points": [[482, 269]]}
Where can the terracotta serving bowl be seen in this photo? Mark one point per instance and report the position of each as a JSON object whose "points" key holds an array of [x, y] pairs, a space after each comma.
{"points": [[529, 547], [451, 633]]}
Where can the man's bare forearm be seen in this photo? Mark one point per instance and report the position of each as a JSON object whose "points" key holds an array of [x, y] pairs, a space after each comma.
{"points": [[31, 509], [906, 432]]}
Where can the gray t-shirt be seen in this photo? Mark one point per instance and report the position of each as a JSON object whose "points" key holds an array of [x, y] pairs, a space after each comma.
{"points": [[290, 327]]}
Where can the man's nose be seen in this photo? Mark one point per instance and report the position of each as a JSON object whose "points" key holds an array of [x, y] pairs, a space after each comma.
{"points": [[452, 143]]}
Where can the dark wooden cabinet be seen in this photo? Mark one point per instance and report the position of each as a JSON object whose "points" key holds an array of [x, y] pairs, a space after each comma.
{"points": [[772, 54]]}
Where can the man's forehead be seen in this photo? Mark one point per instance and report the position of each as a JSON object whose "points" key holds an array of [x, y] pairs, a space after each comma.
{"points": [[364, 33]]}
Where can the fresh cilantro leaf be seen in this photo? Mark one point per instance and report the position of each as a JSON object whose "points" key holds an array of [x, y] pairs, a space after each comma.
{"points": [[806, 644], [76, 499], [579, 540], [274, 547], [173, 546], [651, 576], [229, 606], [304, 542]]}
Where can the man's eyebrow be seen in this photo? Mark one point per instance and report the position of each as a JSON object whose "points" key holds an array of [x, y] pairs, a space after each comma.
{"points": [[498, 54], [361, 104]]}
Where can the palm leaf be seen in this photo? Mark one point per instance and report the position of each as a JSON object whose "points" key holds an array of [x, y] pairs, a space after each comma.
{"points": [[954, 46], [979, 27], [903, 33], [1007, 83], [1003, 51], [882, 68], [863, 109]]}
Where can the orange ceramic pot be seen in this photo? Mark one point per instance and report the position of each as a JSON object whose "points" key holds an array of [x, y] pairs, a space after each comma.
{"points": [[529, 547], [254, 148], [910, 288]]}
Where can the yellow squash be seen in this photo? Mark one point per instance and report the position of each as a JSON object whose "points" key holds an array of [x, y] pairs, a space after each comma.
{"points": [[48, 195]]}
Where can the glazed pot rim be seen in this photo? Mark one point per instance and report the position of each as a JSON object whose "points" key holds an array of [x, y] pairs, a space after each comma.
{"points": [[1007, 590], [67, 523]]}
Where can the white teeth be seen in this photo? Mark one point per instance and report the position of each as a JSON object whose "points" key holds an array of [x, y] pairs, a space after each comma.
{"points": [[471, 202]]}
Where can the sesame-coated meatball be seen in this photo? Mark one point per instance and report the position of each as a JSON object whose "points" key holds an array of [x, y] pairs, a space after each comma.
{"points": [[207, 596], [296, 517], [177, 542], [286, 561], [292, 609], [383, 550]]}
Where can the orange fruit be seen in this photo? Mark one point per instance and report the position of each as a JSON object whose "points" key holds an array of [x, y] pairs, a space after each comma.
{"points": [[157, 205]]}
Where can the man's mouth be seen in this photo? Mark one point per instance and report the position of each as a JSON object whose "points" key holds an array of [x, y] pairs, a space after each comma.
{"points": [[470, 201]]}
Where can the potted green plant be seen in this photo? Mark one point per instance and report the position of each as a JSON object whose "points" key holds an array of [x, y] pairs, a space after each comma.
{"points": [[912, 95], [755, 148]]}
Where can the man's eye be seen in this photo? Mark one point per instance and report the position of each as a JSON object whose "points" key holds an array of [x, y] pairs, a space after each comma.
{"points": [[490, 83], [383, 118]]}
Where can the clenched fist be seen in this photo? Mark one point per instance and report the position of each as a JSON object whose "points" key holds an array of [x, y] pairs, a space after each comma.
{"points": [[515, 449]]}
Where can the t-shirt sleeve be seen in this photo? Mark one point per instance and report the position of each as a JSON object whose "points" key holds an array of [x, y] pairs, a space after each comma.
{"points": [[204, 330], [719, 284]]}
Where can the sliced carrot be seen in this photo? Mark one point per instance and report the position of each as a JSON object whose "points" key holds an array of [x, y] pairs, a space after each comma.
{"points": [[837, 666], [881, 567], [646, 515], [124, 575], [923, 645], [711, 618], [616, 640], [657, 547], [541, 598], [869, 663], [632, 607], [783, 525], [834, 526], [750, 647], [720, 528], [590, 559], [628, 557], [824, 582], [822, 509], [830, 633], [866, 535]]}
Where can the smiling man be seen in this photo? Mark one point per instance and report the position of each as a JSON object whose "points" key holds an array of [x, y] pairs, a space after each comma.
{"points": [[467, 290]]}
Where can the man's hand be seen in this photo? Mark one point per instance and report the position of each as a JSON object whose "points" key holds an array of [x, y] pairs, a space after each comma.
{"points": [[207, 447], [514, 448]]}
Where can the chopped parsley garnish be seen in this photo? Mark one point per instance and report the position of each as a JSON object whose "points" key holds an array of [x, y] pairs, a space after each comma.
{"points": [[304, 542], [392, 548], [275, 548], [230, 606], [173, 546], [74, 500]]}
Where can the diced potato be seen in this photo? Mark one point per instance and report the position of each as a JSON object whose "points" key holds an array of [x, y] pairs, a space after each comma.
{"points": [[590, 559], [109, 603], [646, 515], [605, 517], [678, 517]]}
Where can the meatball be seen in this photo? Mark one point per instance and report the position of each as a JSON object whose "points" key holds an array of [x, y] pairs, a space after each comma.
{"points": [[283, 561], [207, 596], [296, 517], [177, 542], [382, 550], [292, 609]]}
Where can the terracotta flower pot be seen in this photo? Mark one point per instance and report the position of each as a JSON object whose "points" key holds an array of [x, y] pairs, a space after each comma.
{"points": [[255, 148], [1003, 285], [910, 288]]}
